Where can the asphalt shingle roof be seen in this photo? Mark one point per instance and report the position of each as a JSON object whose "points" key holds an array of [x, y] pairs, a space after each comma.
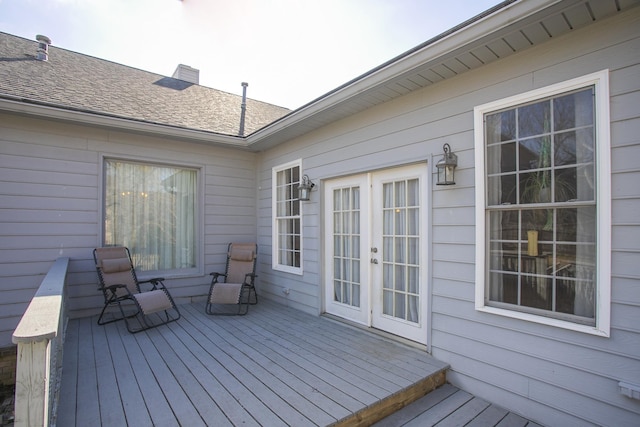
{"points": [[74, 81]]}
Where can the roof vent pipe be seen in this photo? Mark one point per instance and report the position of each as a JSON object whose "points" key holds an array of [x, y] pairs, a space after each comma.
{"points": [[43, 47], [243, 107]]}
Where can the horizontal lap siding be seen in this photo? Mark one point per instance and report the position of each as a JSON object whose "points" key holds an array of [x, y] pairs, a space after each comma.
{"points": [[50, 206], [48, 209], [554, 376], [551, 375]]}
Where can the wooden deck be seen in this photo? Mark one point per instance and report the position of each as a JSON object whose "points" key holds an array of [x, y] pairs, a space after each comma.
{"points": [[273, 367], [449, 406]]}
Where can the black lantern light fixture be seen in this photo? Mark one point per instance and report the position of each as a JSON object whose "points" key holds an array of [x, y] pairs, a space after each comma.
{"points": [[304, 189], [447, 166]]}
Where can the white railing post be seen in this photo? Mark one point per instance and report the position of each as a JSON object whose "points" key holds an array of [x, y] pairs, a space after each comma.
{"points": [[39, 337]]}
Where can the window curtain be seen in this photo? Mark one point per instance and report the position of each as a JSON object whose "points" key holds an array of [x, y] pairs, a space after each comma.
{"points": [[152, 210]]}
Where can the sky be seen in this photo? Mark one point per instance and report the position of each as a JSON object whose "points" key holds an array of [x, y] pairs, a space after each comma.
{"points": [[289, 51]]}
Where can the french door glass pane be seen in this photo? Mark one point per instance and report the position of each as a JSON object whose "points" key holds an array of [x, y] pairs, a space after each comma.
{"points": [[356, 295], [401, 253], [346, 246], [400, 306], [413, 193], [414, 280], [413, 309], [387, 302]]}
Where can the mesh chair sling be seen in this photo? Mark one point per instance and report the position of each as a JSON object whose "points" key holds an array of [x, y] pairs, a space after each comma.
{"points": [[121, 288], [237, 285]]}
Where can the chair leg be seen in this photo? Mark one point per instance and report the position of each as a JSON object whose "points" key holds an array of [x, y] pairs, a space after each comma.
{"points": [[100, 321], [246, 309], [124, 317]]}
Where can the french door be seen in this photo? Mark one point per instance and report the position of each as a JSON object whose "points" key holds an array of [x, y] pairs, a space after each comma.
{"points": [[375, 260]]}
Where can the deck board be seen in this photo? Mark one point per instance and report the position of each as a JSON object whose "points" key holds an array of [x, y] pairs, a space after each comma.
{"points": [[465, 414], [66, 407], [273, 367], [319, 370], [132, 401], [108, 387], [87, 383], [448, 406], [350, 356], [231, 407], [440, 411], [240, 405], [489, 417], [299, 372], [418, 407], [317, 352], [315, 404], [149, 388], [252, 375]]}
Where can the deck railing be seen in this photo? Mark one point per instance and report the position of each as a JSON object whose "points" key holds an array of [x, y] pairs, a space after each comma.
{"points": [[40, 338]]}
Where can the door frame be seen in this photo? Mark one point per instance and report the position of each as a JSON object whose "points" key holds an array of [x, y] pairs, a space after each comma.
{"points": [[426, 246], [362, 314], [413, 331]]}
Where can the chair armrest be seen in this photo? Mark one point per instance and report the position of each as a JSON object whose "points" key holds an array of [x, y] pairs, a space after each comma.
{"points": [[111, 288], [111, 292], [215, 275], [249, 278]]}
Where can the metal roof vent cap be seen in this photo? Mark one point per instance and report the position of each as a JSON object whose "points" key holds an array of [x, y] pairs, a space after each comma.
{"points": [[43, 47]]}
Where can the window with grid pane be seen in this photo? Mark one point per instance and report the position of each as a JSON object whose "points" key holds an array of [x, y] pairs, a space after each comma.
{"points": [[287, 226], [541, 207]]}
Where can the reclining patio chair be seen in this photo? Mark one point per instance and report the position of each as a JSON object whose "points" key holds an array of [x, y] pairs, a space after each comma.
{"points": [[146, 308], [237, 285]]}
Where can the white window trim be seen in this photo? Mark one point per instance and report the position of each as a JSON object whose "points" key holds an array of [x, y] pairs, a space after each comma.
{"points": [[600, 80], [196, 271], [274, 222]]}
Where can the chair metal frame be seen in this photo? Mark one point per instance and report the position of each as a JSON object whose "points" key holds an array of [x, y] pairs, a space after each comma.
{"points": [[247, 286], [119, 293]]}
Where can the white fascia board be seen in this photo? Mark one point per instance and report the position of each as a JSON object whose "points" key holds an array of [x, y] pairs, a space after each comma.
{"points": [[120, 124], [431, 52]]}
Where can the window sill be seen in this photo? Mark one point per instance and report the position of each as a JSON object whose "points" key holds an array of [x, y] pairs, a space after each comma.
{"points": [[286, 269], [586, 329], [171, 274]]}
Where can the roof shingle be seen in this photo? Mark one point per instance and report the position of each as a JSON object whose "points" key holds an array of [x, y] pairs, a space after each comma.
{"points": [[74, 81]]}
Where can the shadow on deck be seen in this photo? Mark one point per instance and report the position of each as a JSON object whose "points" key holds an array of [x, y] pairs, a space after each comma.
{"points": [[275, 366]]}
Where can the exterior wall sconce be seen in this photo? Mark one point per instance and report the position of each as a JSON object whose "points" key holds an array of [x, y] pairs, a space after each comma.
{"points": [[304, 189], [447, 166]]}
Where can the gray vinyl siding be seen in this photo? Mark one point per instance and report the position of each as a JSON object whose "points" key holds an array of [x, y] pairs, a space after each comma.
{"points": [[551, 375], [50, 206]]}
